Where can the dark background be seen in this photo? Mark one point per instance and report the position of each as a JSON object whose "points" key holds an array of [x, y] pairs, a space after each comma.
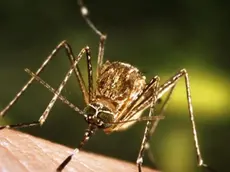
{"points": [[158, 37]]}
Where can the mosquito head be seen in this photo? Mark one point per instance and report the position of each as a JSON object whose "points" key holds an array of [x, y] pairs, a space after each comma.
{"points": [[99, 115]]}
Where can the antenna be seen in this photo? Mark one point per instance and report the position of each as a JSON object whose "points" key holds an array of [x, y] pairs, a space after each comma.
{"points": [[85, 14]]}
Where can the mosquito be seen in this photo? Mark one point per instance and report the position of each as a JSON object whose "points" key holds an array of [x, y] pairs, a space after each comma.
{"points": [[117, 100]]}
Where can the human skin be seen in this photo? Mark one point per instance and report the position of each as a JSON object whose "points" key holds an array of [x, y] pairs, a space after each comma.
{"points": [[25, 153]]}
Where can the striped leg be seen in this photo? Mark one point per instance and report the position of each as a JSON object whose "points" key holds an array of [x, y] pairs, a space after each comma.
{"points": [[155, 124], [70, 55], [53, 100], [169, 86], [148, 125]]}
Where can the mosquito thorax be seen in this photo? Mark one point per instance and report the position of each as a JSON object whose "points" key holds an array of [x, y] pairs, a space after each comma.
{"points": [[99, 115]]}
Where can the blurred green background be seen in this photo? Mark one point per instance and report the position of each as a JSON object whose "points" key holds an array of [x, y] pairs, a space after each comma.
{"points": [[159, 38]]}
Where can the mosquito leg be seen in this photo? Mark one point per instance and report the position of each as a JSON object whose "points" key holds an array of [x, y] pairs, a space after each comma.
{"points": [[148, 125], [77, 71], [20, 125], [90, 76], [53, 100], [61, 86], [155, 124], [53, 53], [51, 89], [162, 110], [85, 15], [101, 51], [88, 133], [170, 84]]}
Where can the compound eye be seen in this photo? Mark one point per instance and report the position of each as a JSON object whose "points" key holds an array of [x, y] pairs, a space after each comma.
{"points": [[89, 111], [106, 118]]}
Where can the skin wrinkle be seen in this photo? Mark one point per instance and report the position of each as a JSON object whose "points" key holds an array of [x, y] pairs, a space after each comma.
{"points": [[33, 146], [11, 151], [54, 159], [43, 150], [8, 160]]}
